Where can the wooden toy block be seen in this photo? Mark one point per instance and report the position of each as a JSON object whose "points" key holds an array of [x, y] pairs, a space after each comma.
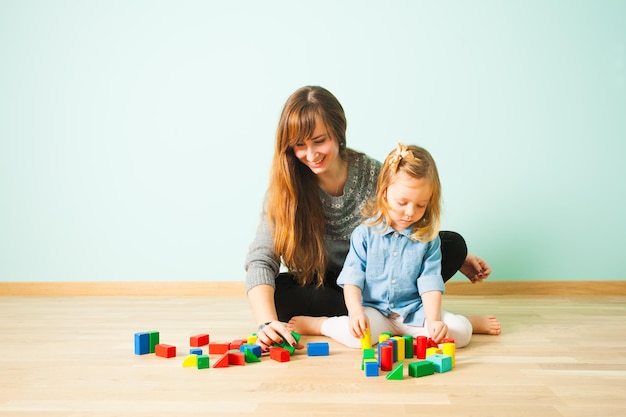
{"points": [[236, 357], [279, 354], [366, 340], [442, 363], [385, 356], [203, 361], [165, 351], [154, 340], [399, 348], [394, 345], [318, 349], [408, 346], [397, 373], [217, 348], [199, 340], [431, 343], [222, 361], [371, 367], [250, 355], [450, 350], [367, 354], [252, 339], [421, 368], [432, 351], [448, 340], [142, 343], [253, 348], [236, 344], [195, 351], [420, 345], [287, 346], [382, 337], [190, 361]]}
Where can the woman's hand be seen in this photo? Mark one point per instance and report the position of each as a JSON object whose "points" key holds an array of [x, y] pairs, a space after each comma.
{"points": [[438, 331], [475, 268], [274, 332]]}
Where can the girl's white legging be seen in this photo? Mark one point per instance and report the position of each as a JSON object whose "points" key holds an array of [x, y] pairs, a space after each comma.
{"points": [[338, 328]]}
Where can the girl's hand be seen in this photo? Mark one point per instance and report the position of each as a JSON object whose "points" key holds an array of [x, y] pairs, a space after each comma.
{"points": [[274, 332], [438, 331], [359, 323]]}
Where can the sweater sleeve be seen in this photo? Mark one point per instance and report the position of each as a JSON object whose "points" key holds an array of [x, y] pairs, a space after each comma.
{"points": [[261, 265]]}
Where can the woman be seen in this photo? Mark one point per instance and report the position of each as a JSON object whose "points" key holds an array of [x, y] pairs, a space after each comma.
{"points": [[317, 189]]}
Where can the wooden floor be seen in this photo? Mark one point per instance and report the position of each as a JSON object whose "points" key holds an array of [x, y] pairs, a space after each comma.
{"points": [[73, 356]]}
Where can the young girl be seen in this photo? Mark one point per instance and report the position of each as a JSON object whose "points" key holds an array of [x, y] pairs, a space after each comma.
{"points": [[392, 278]]}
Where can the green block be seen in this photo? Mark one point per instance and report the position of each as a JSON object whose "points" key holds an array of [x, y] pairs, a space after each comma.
{"points": [[154, 340], [408, 346], [203, 361], [250, 356], [287, 346], [397, 373], [367, 354], [421, 368]]}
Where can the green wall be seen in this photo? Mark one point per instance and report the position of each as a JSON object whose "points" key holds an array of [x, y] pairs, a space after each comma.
{"points": [[136, 136]]}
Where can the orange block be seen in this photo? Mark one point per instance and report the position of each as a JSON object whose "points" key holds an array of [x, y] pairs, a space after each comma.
{"points": [[165, 351], [279, 354], [199, 340]]}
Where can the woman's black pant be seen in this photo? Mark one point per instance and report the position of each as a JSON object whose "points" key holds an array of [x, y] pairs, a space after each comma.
{"points": [[293, 299]]}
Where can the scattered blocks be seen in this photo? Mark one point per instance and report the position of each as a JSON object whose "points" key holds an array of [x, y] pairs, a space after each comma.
{"points": [[253, 348], [279, 354], [371, 367], [442, 363], [202, 361], [217, 348], [142, 343], [235, 357], [317, 349], [368, 354], [421, 368], [154, 340], [199, 340], [250, 356], [190, 361], [195, 351], [397, 373], [165, 351], [222, 362]]}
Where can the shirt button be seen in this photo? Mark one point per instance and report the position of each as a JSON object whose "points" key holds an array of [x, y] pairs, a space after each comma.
{"points": [[393, 281], [391, 305], [395, 254]]}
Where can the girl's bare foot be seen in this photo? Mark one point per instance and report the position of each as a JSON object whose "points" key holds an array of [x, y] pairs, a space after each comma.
{"points": [[485, 324], [306, 325]]}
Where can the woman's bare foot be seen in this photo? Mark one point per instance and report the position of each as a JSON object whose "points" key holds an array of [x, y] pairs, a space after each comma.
{"points": [[311, 326], [485, 324]]}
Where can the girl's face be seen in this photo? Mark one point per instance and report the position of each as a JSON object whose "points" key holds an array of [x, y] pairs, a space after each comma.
{"points": [[407, 198], [320, 152]]}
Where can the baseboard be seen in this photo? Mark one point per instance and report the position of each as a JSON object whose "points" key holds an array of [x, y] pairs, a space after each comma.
{"points": [[235, 289]]}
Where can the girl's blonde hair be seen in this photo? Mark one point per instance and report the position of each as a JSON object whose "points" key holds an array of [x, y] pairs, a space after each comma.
{"points": [[294, 209], [418, 163]]}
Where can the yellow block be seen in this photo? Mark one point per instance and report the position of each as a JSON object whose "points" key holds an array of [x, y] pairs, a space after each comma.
{"points": [[366, 340], [401, 347], [433, 351], [450, 350], [189, 361]]}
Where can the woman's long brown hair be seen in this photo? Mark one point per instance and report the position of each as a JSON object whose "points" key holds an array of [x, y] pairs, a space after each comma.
{"points": [[294, 208]]}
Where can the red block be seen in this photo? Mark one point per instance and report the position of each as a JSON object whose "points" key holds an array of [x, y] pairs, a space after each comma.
{"points": [[421, 343], [236, 358], [386, 357], [222, 362], [236, 344], [215, 348], [279, 354], [199, 340], [165, 351]]}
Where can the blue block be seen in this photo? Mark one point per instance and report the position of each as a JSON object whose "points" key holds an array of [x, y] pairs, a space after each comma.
{"points": [[195, 351], [317, 349], [142, 343], [255, 349], [371, 368]]}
